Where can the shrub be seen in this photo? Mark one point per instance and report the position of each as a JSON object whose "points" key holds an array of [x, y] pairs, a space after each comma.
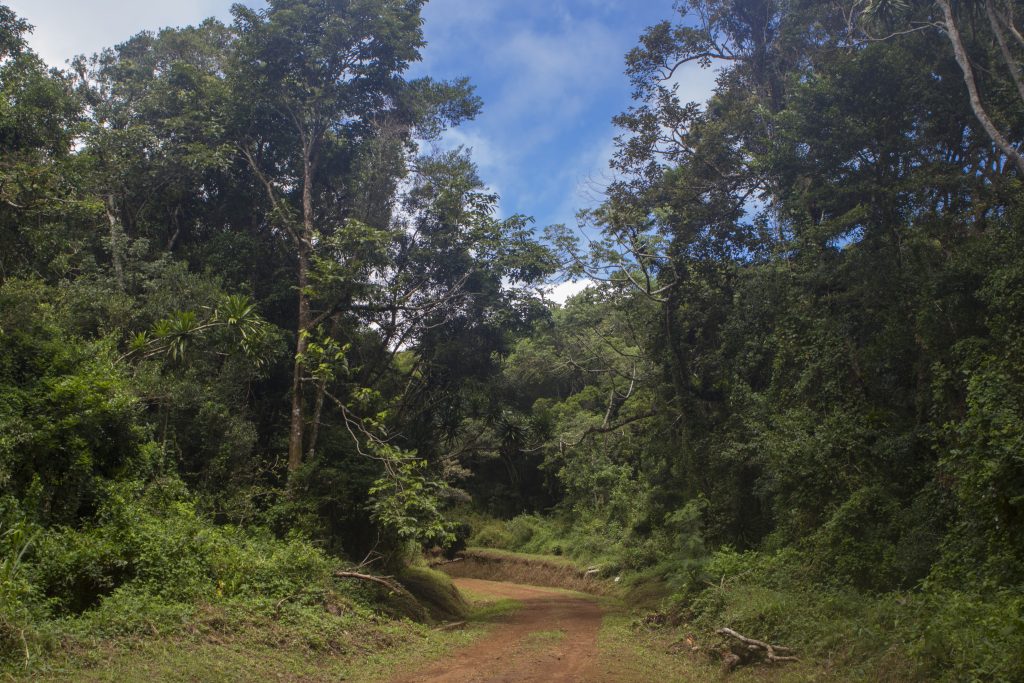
{"points": [[969, 638], [493, 535], [151, 541], [19, 600]]}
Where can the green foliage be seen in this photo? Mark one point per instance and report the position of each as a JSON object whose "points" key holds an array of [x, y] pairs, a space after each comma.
{"points": [[68, 415], [405, 503], [970, 637], [524, 533], [984, 459], [235, 317], [942, 634], [145, 564], [494, 536], [20, 603], [151, 540]]}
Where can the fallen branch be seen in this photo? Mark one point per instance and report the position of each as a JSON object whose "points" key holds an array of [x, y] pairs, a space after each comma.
{"points": [[751, 648], [455, 625], [385, 581], [280, 603], [444, 562]]}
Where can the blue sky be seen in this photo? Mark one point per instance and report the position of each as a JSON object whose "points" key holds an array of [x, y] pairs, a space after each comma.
{"points": [[550, 73]]}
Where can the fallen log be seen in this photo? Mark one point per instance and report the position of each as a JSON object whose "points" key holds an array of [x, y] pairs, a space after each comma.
{"points": [[750, 648]]}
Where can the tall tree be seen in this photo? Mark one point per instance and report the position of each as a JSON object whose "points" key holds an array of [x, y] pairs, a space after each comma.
{"points": [[39, 113], [317, 84]]}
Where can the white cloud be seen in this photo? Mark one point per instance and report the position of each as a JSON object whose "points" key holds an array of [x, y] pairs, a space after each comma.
{"points": [[555, 72], [561, 292], [543, 76], [695, 83], [65, 29], [591, 174], [485, 154], [551, 74]]}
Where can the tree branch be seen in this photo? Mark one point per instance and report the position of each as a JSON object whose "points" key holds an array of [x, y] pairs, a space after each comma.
{"points": [[962, 58], [1004, 48]]}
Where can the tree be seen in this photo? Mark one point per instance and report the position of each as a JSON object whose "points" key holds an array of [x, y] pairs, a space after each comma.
{"points": [[964, 29], [317, 85], [155, 148], [39, 115]]}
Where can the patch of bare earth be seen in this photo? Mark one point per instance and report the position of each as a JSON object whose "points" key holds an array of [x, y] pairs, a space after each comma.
{"points": [[551, 638]]}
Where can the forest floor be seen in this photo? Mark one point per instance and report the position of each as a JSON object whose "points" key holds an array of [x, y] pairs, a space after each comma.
{"points": [[563, 636], [553, 636], [514, 633]]}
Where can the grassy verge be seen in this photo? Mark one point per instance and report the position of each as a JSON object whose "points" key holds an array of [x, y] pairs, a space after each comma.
{"points": [[558, 561], [632, 652], [242, 645], [840, 634], [153, 590], [946, 629], [538, 570], [246, 643]]}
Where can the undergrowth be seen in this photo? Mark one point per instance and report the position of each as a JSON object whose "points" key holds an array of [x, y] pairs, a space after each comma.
{"points": [[151, 567], [940, 630]]}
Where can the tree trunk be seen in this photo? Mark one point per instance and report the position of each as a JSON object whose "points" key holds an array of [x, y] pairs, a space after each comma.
{"points": [[962, 58], [318, 406], [298, 423], [115, 241]]}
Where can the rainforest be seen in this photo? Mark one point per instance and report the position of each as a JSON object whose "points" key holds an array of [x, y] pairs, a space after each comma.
{"points": [[284, 393]]}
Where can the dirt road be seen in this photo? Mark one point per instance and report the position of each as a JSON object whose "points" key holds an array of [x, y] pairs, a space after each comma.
{"points": [[552, 638]]}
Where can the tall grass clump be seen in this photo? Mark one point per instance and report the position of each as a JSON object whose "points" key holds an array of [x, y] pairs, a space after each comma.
{"points": [[150, 563]]}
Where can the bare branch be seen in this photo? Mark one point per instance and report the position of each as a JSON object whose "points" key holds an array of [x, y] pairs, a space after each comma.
{"points": [[1004, 48], [269, 188], [960, 52]]}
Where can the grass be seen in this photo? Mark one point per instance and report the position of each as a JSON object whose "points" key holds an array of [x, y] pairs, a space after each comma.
{"points": [[631, 652], [510, 555], [838, 637], [551, 571], [243, 642], [543, 639], [484, 610], [435, 592], [267, 650]]}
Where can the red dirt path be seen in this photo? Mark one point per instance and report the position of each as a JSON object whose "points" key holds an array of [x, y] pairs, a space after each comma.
{"points": [[509, 655]]}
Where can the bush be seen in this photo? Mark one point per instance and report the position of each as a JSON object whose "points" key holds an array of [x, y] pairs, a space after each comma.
{"points": [[931, 633], [857, 545], [19, 599], [151, 541], [968, 638], [68, 415], [493, 535], [131, 611]]}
